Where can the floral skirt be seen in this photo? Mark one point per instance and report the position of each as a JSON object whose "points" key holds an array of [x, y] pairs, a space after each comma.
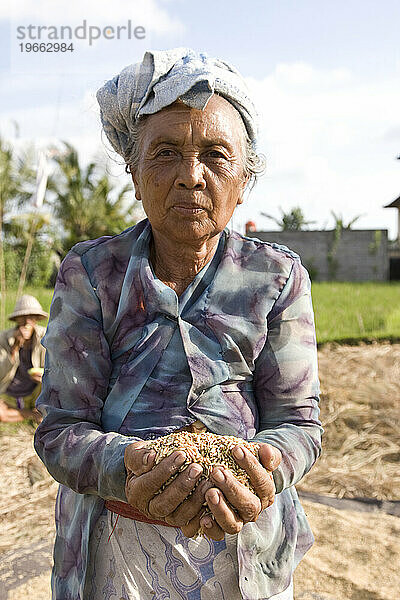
{"points": [[139, 561]]}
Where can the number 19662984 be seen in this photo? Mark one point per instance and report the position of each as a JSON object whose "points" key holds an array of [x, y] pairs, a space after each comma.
{"points": [[46, 47]]}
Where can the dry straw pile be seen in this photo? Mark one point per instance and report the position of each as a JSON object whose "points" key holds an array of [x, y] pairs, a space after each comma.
{"points": [[360, 412], [27, 490]]}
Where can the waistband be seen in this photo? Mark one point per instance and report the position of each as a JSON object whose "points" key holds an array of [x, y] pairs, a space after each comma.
{"points": [[126, 510]]}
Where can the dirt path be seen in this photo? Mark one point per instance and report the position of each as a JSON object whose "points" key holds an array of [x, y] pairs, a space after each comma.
{"points": [[25, 571], [356, 555]]}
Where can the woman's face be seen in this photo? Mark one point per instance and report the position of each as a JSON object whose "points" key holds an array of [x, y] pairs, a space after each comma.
{"points": [[190, 174]]}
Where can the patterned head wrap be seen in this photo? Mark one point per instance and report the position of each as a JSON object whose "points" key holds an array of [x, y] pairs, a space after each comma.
{"points": [[158, 81]]}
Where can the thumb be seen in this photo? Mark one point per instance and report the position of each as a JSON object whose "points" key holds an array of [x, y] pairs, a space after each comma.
{"points": [[139, 458], [270, 457]]}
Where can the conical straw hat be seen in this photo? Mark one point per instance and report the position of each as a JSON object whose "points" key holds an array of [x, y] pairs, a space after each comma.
{"points": [[28, 305]]}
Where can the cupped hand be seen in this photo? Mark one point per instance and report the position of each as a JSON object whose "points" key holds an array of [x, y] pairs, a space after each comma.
{"points": [[143, 484], [231, 503]]}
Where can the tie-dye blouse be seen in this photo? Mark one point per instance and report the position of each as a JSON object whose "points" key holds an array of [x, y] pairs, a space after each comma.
{"points": [[249, 341]]}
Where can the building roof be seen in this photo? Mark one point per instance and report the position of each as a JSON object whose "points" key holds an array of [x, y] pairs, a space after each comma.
{"points": [[394, 204]]}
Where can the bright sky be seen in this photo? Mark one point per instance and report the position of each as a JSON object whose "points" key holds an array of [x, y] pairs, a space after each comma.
{"points": [[325, 77]]}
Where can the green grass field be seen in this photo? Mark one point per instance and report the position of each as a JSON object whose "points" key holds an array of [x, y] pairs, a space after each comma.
{"points": [[349, 312], [344, 312], [44, 295]]}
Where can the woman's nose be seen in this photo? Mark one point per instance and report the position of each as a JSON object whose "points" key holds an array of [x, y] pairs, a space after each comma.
{"points": [[27, 321], [190, 175]]}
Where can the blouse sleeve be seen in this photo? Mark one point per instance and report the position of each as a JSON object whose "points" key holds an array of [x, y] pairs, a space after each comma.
{"points": [[70, 439], [286, 381], [7, 364]]}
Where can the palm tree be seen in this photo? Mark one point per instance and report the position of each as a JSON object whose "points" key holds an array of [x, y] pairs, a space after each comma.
{"points": [[340, 223], [16, 185], [290, 221], [87, 203]]}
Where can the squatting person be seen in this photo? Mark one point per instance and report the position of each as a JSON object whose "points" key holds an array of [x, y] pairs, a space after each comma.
{"points": [[21, 361]]}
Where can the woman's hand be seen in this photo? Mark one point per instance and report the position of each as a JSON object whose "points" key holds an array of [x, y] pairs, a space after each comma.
{"points": [[19, 341], [246, 504], [37, 377], [172, 505]]}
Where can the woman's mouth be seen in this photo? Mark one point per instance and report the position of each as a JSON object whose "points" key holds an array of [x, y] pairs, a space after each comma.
{"points": [[188, 210]]}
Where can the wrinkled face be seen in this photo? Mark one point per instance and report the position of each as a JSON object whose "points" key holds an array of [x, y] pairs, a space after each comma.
{"points": [[25, 325], [190, 174]]}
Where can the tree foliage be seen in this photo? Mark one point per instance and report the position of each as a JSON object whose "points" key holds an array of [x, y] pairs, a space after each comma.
{"points": [[81, 202], [294, 220], [43, 261], [340, 222], [17, 178], [16, 184], [41, 268], [85, 201]]}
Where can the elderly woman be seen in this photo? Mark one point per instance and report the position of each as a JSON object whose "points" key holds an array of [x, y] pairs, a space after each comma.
{"points": [[178, 323]]}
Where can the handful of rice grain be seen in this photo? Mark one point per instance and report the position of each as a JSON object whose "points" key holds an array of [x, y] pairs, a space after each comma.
{"points": [[205, 448]]}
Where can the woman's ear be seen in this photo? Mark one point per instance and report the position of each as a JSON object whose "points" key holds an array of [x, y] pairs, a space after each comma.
{"points": [[245, 181], [136, 185]]}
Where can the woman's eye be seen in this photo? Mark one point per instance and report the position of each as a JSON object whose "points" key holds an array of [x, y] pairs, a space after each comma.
{"points": [[215, 154], [165, 153]]}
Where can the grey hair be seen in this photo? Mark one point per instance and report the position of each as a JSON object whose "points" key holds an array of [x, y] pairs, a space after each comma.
{"points": [[254, 162]]}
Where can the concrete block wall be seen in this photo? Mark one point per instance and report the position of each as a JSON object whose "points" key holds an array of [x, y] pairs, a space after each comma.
{"points": [[354, 255]]}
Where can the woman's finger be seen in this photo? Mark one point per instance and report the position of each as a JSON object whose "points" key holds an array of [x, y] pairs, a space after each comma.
{"points": [[226, 518], [140, 490], [138, 458], [191, 526], [190, 509], [246, 504], [260, 477], [269, 456], [210, 528], [176, 492]]}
